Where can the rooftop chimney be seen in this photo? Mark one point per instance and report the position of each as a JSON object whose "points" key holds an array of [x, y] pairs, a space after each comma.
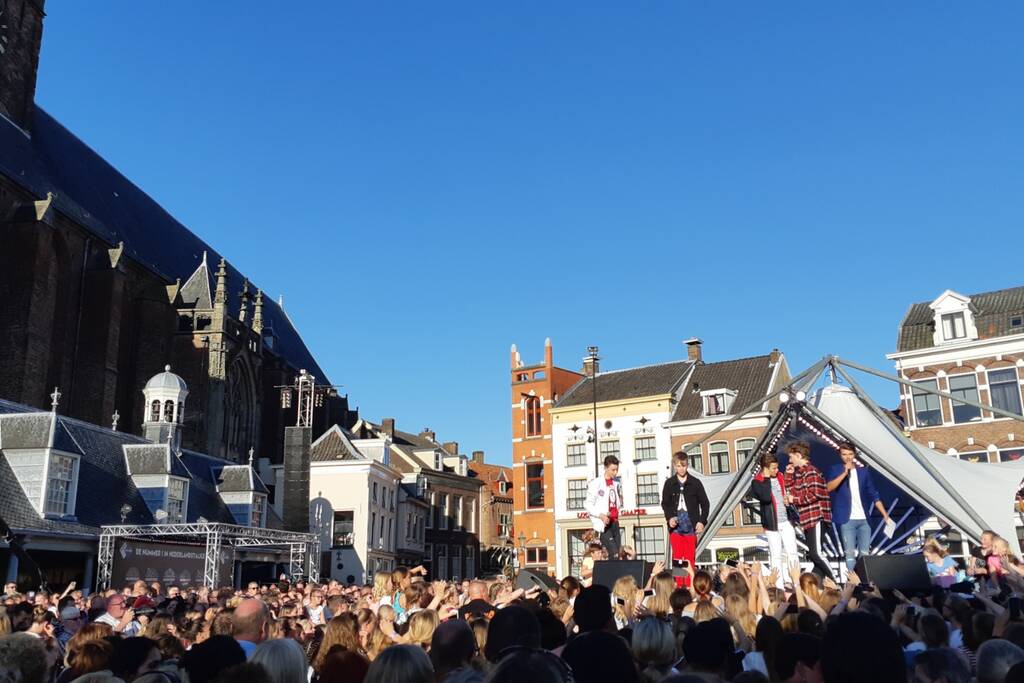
{"points": [[451, 447], [387, 425], [427, 433], [478, 456], [592, 362], [773, 358], [693, 353]]}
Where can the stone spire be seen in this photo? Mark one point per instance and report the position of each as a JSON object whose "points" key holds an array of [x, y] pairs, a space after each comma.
{"points": [[243, 309], [220, 297], [257, 315]]}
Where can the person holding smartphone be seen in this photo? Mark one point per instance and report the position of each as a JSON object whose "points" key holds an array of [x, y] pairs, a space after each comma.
{"points": [[685, 505]]}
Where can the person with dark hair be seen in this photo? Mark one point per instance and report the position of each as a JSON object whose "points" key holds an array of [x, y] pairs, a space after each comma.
{"points": [[599, 656], [941, 665], [593, 609], [798, 659], [853, 494], [766, 640], [769, 489], [604, 498], [809, 493], [552, 630], [526, 664], [248, 672], [341, 666], [134, 657], [205, 660], [708, 648], [809, 622], [452, 647], [860, 647], [685, 506], [511, 626]]}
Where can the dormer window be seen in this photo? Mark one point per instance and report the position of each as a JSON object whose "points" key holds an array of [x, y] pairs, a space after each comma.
{"points": [[717, 401], [439, 461], [176, 501], [953, 326], [954, 320], [259, 508], [60, 485]]}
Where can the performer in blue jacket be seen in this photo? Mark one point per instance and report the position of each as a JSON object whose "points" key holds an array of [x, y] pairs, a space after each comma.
{"points": [[850, 512]]}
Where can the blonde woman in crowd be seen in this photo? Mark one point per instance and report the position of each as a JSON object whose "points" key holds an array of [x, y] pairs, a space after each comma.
{"points": [[624, 601]]}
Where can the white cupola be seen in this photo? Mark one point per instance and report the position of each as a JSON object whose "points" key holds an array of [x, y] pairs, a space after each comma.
{"points": [[165, 395]]}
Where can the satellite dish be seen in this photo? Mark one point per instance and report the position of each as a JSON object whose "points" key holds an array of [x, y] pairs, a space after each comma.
{"points": [[160, 515]]}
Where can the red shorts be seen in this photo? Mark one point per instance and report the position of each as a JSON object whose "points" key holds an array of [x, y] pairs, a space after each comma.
{"points": [[683, 547]]}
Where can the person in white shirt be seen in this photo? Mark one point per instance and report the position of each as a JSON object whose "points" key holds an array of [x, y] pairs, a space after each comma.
{"points": [[853, 494], [120, 617], [604, 499]]}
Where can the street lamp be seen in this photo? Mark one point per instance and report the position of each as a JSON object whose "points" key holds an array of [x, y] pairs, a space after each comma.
{"points": [[592, 359], [522, 546]]}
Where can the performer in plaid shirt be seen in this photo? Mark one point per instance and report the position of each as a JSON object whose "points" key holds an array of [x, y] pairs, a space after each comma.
{"points": [[807, 490]]}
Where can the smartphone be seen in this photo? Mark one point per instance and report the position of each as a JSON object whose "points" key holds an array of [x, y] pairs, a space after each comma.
{"points": [[620, 601], [732, 563], [648, 592], [910, 610], [682, 563]]}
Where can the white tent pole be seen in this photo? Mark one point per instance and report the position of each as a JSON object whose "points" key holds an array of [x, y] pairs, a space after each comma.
{"points": [[741, 482], [911, 448], [890, 473], [937, 392]]}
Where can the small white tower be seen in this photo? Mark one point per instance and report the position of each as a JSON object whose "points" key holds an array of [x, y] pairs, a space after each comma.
{"points": [[165, 395]]}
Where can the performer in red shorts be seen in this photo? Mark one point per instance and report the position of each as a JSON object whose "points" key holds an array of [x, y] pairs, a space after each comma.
{"points": [[686, 508]]}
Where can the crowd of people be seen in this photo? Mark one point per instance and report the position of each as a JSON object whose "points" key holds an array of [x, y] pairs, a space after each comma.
{"points": [[729, 624], [734, 622]]}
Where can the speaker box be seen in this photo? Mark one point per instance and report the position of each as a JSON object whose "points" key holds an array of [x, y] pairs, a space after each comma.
{"points": [[607, 572], [528, 579], [906, 573]]}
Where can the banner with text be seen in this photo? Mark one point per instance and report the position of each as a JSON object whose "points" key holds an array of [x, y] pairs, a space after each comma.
{"points": [[173, 564]]}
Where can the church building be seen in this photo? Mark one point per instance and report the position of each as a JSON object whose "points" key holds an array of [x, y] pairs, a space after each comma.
{"points": [[100, 288]]}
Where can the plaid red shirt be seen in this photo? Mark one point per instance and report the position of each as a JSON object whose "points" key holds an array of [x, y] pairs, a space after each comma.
{"points": [[810, 495]]}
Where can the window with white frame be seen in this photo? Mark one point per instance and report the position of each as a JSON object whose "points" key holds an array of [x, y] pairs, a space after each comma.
{"points": [[442, 510], [610, 447], [374, 493], [649, 542], [576, 454], [964, 387], [536, 556], [176, 501], [577, 494], [470, 563], [430, 513], [439, 461], [1004, 388], [373, 528], [974, 456], [715, 404], [457, 504], [953, 326], [647, 489], [259, 506], [744, 447], [504, 524], [718, 455], [643, 448], [470, 515], [59, 483], [693, 455], [927, 410], [577, 549]]}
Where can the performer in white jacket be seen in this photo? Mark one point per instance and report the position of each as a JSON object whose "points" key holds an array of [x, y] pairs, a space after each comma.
{"points": [[604, 499]]}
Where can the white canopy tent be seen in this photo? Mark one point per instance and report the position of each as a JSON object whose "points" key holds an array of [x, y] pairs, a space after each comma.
{"points": [[970, 496]]}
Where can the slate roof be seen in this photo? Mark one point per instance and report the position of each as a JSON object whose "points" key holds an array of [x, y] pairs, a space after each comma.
{"points": [[104, 483], [99, 198], [993, 312], [748, 377], [334, 444], [239, 478], [617, 385], [154, 459]]}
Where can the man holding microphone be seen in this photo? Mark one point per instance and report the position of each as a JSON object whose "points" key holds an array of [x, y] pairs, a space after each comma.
{"points": [[853, 495]]}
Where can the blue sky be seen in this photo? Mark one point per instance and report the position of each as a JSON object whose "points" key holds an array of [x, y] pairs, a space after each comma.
{"points": [[428, 183]]}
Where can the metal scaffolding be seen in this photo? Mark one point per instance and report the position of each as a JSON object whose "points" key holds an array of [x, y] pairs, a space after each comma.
{"points": [[303, 549]]}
